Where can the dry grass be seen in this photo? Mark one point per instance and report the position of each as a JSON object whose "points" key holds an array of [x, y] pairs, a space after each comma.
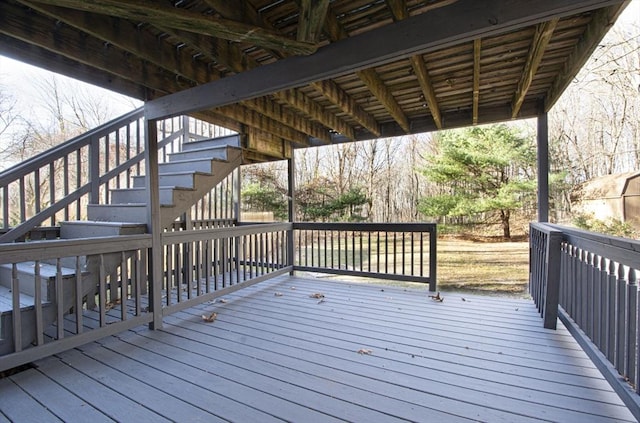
{"points": [[500, 268]]}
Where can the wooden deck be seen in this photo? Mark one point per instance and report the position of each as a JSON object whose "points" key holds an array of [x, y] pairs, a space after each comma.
{"points": [[363, 353]]}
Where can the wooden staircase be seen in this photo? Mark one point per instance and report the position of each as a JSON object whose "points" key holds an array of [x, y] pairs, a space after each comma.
{"points": [[188, 175]]}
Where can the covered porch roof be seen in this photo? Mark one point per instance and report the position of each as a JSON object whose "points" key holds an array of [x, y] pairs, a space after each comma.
{"points": [[294, 73]]}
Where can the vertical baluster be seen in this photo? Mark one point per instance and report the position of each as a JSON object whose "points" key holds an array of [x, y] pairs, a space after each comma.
{"points": [[604, 306], [102, 290], [36, 191], [136, 282], [124, 285], [16, 312], [78, 296], [632, 327], [5, 206], [621, 324], [611, 318], [590, 312], [65, 183], [597, 310], [37, 303], [59, 300], [395, 252], [23, 211], [411, 253]]}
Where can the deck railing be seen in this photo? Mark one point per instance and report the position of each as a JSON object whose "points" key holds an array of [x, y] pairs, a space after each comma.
{"points": [[397, 251], [115, 275], [598, 297]]}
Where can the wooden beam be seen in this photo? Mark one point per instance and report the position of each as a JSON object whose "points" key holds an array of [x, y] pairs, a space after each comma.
{"points": [[398, 9], [463, 21], [311, 19], [155, 13], [379, 89], [126, 36], [420, 69], [343, 100], [541, 39], [477, 52], [600, 24]]}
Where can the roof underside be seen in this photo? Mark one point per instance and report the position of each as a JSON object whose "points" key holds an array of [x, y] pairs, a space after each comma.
{"points": [[322, 71]]}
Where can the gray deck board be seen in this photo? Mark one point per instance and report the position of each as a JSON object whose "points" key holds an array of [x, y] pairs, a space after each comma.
{"points": [[289, 357]]}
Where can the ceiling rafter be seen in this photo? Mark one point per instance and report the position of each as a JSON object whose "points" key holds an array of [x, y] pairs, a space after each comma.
{"points": [[600, 24], [370, 77], [399, 10], [195, 71], [477, 53], [172, 17], [313, 13], [231, 56], [541, 39]]}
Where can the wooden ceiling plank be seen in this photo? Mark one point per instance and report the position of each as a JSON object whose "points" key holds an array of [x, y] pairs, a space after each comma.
{"points": [[399, 10], [600, 24], [463, 21], [379, 89], [153, 12], [313, 13], [125, 36], [348, 105], [477, 53], [369, 76], [541, 39]]}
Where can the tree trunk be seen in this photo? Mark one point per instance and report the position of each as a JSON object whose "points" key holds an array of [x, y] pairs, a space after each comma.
{"points": [[504, 217]]}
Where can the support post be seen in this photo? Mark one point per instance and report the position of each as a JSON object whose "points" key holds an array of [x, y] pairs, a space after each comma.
{"points": [[154, 263], [543, 168], [292, 207]]}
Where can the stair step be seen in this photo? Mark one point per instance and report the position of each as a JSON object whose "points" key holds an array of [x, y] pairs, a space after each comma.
{"points": [[6, 300], [134, 195], [90, 229], [183, 179], [229, 140], [219, 153], [26, 276], [197, 165], [135, 213]]}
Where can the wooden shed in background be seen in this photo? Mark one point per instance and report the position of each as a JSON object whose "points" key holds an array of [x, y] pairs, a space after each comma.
{"points": [[611, 196]]}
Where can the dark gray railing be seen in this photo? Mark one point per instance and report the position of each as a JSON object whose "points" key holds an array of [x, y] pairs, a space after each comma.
{"points": [[396, 251], [598, 298], [202, 264], [544, 275]]}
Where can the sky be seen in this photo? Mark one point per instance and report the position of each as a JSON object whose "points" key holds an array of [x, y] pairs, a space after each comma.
{"points": [[16, 79]]}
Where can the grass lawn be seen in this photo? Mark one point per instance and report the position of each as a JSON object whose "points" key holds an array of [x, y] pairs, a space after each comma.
{"points": [[486, 268]]}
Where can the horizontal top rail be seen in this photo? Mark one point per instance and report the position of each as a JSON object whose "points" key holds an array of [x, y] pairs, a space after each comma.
{"points": [[25, 167], [220, 233], [367, 227], [43, 250], [622, 250]]}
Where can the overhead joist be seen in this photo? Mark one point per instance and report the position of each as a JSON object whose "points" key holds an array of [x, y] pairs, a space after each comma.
{"points": [[477, 54], [399, 10], [370, 77], [539, 44], [463, 21], [125, 36], [174, 17], [600, 23], [311, 19]]}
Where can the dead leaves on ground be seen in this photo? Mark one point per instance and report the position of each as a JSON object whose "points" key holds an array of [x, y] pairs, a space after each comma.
{"points": [[210, 318], [278, 294], [318, 296], [364, 351], [437, 297]]}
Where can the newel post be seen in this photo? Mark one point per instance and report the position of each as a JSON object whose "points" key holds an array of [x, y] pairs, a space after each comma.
{"points": [[552, 288], [153, 223], [292, 208]]}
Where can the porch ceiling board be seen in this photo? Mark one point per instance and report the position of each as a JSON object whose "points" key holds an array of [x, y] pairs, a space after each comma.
{"points": [[366, 353], [318, 71]]}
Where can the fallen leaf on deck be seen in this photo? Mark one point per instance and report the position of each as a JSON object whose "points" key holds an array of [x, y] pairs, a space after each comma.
{"points": [[223, 301], [278, 294], [293, 288], [437, 297], [210, 318], [463, 299], [112, 304], [365, 351], [317, 295]]}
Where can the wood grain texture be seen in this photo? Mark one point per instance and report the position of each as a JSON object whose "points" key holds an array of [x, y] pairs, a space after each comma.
{"points": [[289, 357]]}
